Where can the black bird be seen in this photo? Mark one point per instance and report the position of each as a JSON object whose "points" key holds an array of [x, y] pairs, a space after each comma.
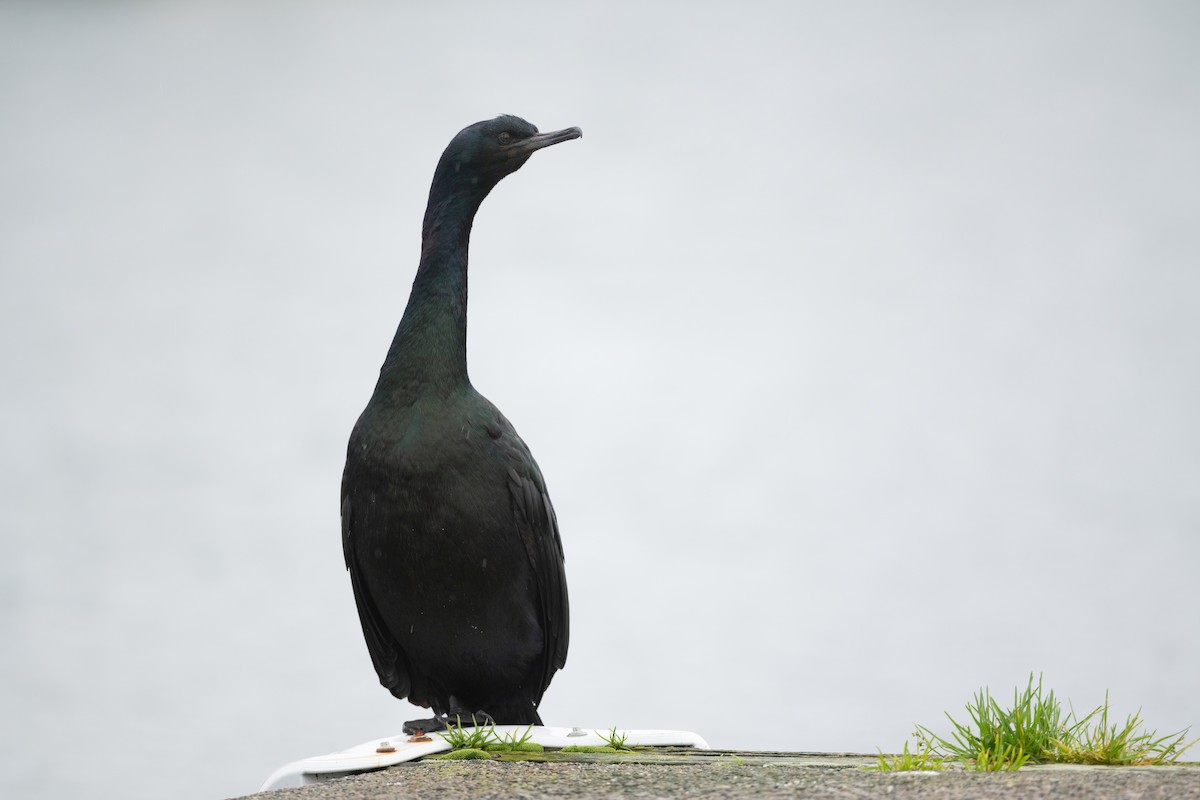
{"points": [[448, 532]]}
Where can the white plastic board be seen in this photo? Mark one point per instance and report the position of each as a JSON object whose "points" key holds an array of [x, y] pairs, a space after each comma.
{"points": [[366, 756]]}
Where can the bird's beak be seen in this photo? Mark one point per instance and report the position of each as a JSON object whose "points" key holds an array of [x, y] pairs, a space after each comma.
{"points": [[540, 140]]}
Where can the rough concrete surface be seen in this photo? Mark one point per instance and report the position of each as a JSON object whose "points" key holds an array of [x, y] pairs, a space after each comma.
{"points": [[742, 775]]}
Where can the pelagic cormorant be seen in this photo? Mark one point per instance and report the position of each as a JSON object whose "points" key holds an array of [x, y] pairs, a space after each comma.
{"points": [[448, 532]]}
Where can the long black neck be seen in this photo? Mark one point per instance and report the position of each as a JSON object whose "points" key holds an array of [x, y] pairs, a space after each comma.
{"points": [[429, 352]]}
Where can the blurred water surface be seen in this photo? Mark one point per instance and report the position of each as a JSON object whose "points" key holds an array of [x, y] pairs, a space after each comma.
{"points": [[859, 344]]}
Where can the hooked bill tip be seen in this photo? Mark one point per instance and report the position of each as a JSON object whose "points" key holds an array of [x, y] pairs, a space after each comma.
{"points": [[539, 140]]}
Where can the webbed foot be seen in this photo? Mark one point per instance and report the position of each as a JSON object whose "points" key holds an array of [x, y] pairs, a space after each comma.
{"points": [[430, 725]]}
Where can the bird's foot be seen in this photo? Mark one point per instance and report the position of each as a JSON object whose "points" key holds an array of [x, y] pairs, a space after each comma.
{"points": [[438, 723]]}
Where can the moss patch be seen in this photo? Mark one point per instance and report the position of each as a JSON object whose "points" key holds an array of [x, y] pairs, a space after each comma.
{"points": [[514, 747], [466, 754], [588, 748]]}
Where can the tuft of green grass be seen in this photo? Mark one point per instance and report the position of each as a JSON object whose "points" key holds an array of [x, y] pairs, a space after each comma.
{"points": [[475, 737], [1128, 744], [1035, 730], [923, 760], [1009, 759], [464, 754], [514, 743], [996, 737], [615, 740]]}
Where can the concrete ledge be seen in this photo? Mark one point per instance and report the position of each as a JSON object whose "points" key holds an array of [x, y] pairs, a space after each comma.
{"points": [[683, 772]]}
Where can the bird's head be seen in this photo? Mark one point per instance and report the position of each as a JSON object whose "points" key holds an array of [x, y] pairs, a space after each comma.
{"points": [[484, 153]]}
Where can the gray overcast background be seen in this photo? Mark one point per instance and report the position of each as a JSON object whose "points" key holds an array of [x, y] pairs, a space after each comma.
{"points": [[859, 344]]}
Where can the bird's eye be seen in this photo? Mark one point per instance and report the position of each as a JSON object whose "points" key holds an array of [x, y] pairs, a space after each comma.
{"points": [[504, 137]]}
